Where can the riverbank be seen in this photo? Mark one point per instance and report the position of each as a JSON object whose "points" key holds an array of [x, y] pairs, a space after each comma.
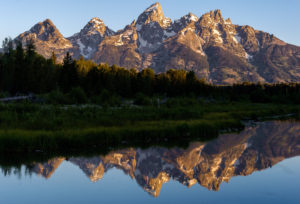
{"points": [[43, 128]]}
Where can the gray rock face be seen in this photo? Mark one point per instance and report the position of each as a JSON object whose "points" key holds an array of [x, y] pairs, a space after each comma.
{"points": [[120, 49], [47, 39], [214, 48], [152, 28], [86, 42]]}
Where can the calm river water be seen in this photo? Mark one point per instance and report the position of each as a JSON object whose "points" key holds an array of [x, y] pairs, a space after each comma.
{"points": [[259, 165]]}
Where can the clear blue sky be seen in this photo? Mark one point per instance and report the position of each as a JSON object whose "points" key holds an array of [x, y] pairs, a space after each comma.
{"points": [[279, 17]]}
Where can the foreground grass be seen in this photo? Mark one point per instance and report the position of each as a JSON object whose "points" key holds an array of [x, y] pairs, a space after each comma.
{"points": [[92, 129], [142, 134]]}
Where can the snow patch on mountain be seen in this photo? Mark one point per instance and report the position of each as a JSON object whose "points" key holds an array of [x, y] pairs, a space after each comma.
{"points": [[215, 31], [120, 41], [169, 34], [138, 27], [191, 17], [258, 43], [143, 43], [128, 34], [184, 31], [249, 57], [67, 45], [167, 22], [85, 52], [218, 34], [237, 38], [97, 21]]}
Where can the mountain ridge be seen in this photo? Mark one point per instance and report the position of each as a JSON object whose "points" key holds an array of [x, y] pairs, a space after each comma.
{"points": [[211, 46]]}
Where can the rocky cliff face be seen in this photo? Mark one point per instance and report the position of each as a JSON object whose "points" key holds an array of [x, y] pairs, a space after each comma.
{"points": [[213, 47], [209, 164], [85, 43], [47, 39]]}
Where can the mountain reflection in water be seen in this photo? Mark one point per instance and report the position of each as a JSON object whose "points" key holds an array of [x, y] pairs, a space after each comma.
{"points": [[208, 164]]}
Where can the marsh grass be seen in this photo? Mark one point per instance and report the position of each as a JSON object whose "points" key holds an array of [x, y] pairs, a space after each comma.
{"points": [[147, 133], [92, 129]]}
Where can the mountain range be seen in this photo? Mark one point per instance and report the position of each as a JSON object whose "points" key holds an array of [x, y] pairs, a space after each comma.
{"points": [[209, 164], [211, 46]]}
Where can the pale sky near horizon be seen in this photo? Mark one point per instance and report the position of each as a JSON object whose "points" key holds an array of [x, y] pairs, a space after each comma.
{"points": [[278, 17]]}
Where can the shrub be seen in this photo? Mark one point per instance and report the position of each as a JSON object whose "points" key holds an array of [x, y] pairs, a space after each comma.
{"points": [[77, 96], [142, 100], [107, 98], [56, 97], [184, 101], [4, 94]]}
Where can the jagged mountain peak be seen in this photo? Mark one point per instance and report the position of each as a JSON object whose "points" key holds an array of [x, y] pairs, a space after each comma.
{"points": [[154, 7], [133, 23], [153, 28], [45, 34], [47, 39], [46, 24], [96, 20], [88, 39], [96, 23], [217, 13], [45, 30], [154, 13], [214, 30], [96, 26], [184, 21], [191, 17], [48, 21], [212, 17], [228, 21]]}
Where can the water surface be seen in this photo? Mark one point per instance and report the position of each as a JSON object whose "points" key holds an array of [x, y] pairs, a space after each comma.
{"points": [[259, 165]]}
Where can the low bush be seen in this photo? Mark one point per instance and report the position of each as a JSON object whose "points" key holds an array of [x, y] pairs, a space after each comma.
{"points": [[77, 96], [142, 100]]}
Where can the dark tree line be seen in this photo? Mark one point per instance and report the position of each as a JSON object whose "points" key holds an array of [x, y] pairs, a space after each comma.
{"points": [[24, 71]]}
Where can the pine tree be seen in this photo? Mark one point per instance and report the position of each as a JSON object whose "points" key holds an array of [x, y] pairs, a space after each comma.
{"points": [[53, 58], [68, 60], [30, 49], [20, 74], [7, 45], [69, 74]]}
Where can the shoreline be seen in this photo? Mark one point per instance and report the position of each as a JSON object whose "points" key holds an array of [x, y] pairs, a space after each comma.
{"points": [[90, 130]]}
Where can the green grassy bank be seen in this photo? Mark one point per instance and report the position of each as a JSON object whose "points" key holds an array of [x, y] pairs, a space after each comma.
{"points": [[92, 129]]}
